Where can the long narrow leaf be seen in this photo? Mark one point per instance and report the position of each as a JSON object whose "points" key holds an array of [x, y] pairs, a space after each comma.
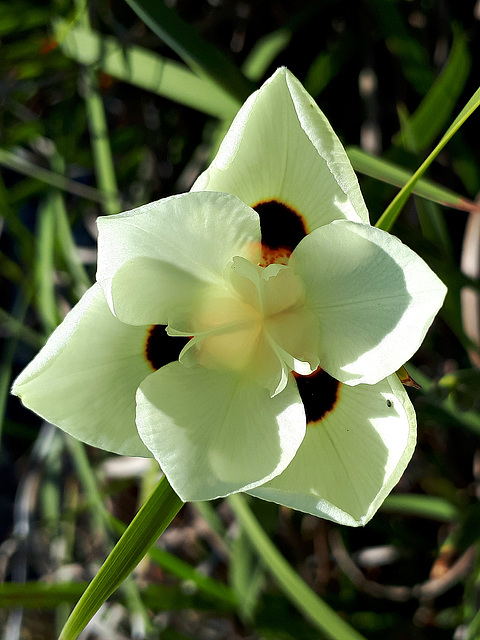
{"points": [[393, 210], [19, 163], [297, 591], [423, 126], [391, 173], [152, 519], [191, 47], [146, 70]]}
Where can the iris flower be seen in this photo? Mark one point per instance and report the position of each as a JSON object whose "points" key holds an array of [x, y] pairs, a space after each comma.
{"points": [[246, 334]]}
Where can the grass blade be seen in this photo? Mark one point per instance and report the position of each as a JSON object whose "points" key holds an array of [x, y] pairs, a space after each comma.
{"points": [[393, 210], [146, 70], [192, 48], [297, 591], [152, 519], [388, 172]]}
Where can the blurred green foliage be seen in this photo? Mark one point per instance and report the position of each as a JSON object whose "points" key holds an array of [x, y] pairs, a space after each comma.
{"points": [[106, 105]]}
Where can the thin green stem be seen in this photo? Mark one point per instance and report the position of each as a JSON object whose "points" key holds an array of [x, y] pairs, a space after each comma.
{"points": [[392, 212], [149, 523], [297, 591]]}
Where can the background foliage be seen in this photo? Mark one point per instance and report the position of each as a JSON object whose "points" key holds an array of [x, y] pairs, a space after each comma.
{"points": [[106, 105]]}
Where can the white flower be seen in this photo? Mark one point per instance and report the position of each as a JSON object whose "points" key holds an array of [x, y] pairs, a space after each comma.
{"points": [[286, 317]]}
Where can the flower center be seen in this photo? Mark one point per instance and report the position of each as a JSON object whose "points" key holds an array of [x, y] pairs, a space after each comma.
{"points": [[258, 323]]}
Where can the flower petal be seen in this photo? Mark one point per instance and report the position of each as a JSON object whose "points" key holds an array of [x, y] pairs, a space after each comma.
{"points": [[350, 459], [161, 255], [375, 299], [216, 433], [281, 147], [85, 378]]}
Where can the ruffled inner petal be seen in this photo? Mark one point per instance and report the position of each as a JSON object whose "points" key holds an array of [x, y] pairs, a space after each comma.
{"points": [[161, 256]]}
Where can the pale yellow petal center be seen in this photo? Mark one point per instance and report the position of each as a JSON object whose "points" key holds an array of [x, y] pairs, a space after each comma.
{"points": [[258, 323]]}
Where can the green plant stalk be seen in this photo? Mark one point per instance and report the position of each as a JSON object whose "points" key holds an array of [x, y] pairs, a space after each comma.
{"points": [[97, 122], [103, 528], [104, 167], [297, 591], [149, 523], [391, 213]]}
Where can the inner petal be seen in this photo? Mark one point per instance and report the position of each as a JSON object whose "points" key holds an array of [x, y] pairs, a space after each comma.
{"points": [[258, 324]]}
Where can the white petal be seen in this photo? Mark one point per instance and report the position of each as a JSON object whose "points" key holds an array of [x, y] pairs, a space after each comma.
{"points": [[374, 297], [85, 378], [215, 433], [281, 147], [351, 459], [158, 257]]}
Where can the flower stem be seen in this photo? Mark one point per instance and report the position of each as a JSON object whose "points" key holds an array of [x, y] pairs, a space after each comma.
{"points": [[298, 592], [153, 518]]}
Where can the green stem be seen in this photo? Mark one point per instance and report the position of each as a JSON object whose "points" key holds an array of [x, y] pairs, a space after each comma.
{"points": [[149, 523], [392, 212], [296, 590]]}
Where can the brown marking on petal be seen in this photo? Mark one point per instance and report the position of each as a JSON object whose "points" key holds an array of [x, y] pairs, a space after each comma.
{"points": [[320, 394], [282, 229], [160, 348]]}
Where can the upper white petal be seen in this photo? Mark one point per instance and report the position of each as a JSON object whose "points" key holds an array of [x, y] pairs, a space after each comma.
{"points": [[281, 146]]}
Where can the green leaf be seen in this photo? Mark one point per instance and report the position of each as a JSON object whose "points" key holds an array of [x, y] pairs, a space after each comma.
{"points": [[393, 210], [45, 263], [388, 172], [434, 228], [198, 54], [246, 575], [469, 420], [424, 506], [146, 70], [420, 129], [297, 591], [264, 53], [17, 162], [152, 519], [38, 595]]}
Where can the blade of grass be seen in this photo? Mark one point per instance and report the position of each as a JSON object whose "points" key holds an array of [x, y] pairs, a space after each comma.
{"points": [[426, 123], [297, 591], [21, 165], [388, 172], [264, 53], [44, 264], [146, 70], [431, 507], [152, 519], [393, 210], [97, 123], [198, 54], [64, 236], [102, 154], [20, 307]]}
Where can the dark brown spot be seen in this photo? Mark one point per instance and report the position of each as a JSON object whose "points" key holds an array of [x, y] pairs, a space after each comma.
{"points": [[319, 392], [160, 348], [282, 229]]}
